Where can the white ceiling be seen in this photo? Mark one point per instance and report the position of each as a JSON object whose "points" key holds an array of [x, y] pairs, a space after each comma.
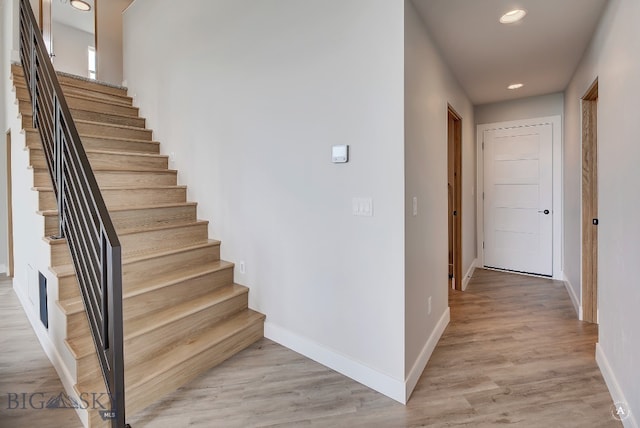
{"points": [[542, 51], [63, 12]]}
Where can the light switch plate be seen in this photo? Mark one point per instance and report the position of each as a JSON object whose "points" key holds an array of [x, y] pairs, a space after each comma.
{"points": [[340, 154], [363, 207]]}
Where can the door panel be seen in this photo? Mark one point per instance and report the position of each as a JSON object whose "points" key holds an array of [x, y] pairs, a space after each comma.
{"points": [[518, 190]]}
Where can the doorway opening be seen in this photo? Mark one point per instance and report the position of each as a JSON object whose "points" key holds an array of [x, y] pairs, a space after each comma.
{"points": [[454, 180], [590, 204]]}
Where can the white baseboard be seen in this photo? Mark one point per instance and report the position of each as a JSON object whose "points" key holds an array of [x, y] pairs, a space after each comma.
{"points": [[572, 294], [50, 350], [614, 388], [3, 268], [469, 274], [425, 354], [383, 383]]}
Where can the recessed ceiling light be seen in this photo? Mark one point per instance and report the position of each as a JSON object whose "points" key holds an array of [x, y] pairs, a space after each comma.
{"points": [[512, 16], [515, 86], [81, 5]]}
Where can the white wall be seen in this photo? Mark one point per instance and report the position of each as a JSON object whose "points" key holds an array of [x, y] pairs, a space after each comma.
{"points": [[252, 99], [70, 46], [523, 108], [613, 58], [4, 258], [429, 87], [109, 31]]}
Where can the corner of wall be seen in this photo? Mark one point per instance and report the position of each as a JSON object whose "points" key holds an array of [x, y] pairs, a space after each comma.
{"points": [[381, 382], [469, 274], [574, 298], [629, 420], [425, 354]]}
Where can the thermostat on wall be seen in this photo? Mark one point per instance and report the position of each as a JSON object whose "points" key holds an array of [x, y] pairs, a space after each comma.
{"points": [[340, 154]]}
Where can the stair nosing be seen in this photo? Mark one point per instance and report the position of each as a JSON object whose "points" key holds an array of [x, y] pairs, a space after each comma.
{"points": [[258, 317], [222, 265], [204, 304], [112, 152], [255, 317], [120, 209], [134, 258], [117, 171], [127, 104], [106, 137]]}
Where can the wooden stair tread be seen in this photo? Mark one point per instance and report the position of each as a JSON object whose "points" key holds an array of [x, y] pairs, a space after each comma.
{"points": [[74, 305], [106, 137], [50, 189], [149, 369], [67, 270], [83, 346], [84, 110], [156, 228], [96, 85], [110, 152], [138, 374], [119, 209], [128, 102], [122, 171]]}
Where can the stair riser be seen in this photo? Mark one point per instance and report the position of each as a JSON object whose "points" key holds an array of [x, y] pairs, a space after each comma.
{"points": [[88, 93], [125, 198], [155, 269], [177, 293], [99, 143], [88, 104], [114, 161], [41, 178], [146, 346], [140, 397], [91, 128], [162, 240], [68, 289], [110, 118], [156, 240], [18, 74], [149, 271], [74, 91], [51, 228], [135, 219]]}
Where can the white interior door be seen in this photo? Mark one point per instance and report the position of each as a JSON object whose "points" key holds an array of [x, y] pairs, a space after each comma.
{"points": [[518, 200]]}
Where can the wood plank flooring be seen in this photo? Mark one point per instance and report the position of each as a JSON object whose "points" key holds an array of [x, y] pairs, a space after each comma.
{"points": [[514, 354]]}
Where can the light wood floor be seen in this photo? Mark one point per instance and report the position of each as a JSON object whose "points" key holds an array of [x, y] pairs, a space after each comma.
{"points": [[514, 354]]}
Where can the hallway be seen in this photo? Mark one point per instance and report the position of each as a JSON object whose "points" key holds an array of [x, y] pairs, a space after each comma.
{"points": [[513, 353]]}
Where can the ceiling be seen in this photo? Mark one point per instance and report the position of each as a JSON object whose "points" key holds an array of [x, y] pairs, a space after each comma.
{"points": [[542, 51], [63, 12]]}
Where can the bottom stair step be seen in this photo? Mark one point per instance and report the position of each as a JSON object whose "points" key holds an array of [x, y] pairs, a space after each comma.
{"points": [[149, 380]]}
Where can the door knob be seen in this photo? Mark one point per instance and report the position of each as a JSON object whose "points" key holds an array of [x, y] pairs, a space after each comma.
{"points": [[545, 212]]}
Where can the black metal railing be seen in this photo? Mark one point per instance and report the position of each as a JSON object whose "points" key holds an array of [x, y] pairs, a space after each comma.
{"points": [[82, 213]]}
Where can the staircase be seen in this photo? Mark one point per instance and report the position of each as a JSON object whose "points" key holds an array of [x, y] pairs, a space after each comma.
{"points": [[183, 313]]}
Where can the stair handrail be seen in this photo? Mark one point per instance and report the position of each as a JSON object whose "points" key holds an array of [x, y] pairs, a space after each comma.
{"points": [[83, 217]]}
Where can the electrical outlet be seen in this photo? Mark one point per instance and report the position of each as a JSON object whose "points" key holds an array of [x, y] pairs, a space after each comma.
{"points": [[242, 267], [429, 306]]}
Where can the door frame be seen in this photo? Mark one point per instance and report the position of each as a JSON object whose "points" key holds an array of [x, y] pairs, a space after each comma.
{"points": [[556, 122], [454, 166], [589, 205]]}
